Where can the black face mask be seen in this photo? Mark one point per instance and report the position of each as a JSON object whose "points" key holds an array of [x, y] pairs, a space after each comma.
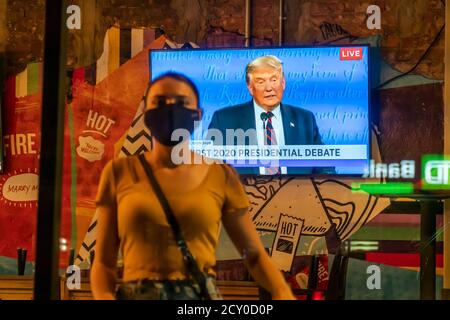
{"points": [[166, 118]]}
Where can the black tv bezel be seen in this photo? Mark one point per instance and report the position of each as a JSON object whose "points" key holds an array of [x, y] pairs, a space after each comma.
{"points": [[369, 98]]}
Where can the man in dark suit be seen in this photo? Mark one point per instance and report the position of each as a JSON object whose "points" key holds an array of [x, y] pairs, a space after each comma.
{"points": [[272, 122]]}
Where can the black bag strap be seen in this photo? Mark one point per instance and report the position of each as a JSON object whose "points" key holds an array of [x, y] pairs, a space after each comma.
{"points": [[191, 264]]}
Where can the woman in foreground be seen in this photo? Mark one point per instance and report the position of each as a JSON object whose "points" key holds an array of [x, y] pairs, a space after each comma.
{"points": [[132, 217]]}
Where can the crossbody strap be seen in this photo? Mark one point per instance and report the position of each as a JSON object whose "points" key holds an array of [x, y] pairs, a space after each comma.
{"points": [[162, 199], [191, 264]]}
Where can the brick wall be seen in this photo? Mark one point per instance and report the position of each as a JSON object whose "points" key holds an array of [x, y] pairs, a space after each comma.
{"points": [[25, 33], [408, 26]]}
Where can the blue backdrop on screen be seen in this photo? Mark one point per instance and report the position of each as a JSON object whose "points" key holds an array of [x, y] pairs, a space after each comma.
{"points": [[335, 90]]}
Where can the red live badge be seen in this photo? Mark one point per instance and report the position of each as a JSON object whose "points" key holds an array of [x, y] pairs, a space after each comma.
{"points": [[351, 54]]}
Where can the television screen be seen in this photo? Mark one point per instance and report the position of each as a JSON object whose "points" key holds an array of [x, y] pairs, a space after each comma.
{"points": [[302, 110]]}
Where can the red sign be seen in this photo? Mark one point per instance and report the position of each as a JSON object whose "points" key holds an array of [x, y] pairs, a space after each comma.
{"points": [[351, 54]]}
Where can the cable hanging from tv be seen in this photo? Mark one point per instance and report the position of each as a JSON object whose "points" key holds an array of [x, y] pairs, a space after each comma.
{"points": [[418, 62]]}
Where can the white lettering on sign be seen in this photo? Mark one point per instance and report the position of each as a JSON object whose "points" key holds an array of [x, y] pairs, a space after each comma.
{"points": [[374, 280], [374, 17], [73, 22], [100, 123], [351, 54], [20, 144], [437, 172], [73, 281], [322, 272], [405, 169]]}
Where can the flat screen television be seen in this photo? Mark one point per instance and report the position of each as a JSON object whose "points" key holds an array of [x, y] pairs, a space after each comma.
{"points": [[311, 116]]}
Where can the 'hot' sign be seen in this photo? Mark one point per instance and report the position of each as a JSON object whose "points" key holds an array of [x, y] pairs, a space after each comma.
{"points": [[351, 54]]}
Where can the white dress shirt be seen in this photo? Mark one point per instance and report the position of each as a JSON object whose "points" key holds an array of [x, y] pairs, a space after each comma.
{"points": [[277, 123]]}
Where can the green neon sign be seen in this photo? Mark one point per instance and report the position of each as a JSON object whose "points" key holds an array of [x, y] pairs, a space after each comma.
{"points": [[436, 172], [384, 188]]}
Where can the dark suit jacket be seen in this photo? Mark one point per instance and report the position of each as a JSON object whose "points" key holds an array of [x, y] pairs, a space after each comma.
{"points": [[299, 126]]}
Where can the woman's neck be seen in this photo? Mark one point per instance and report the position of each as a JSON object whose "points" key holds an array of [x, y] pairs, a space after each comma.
{"points": [[161, 155]]}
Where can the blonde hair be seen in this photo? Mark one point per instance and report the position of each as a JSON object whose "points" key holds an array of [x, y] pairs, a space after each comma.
{"points": [[264, 61]]}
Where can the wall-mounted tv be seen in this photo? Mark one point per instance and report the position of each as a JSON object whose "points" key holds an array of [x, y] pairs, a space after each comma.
{"points": [[280, 110]]}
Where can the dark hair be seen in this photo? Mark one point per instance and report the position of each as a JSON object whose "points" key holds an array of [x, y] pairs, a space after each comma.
{"points": [[175, 76]]}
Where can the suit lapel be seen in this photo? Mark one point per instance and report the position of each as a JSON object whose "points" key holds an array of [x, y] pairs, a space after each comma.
{"points": [[247, 120], [248, 117], [289, 125]]}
